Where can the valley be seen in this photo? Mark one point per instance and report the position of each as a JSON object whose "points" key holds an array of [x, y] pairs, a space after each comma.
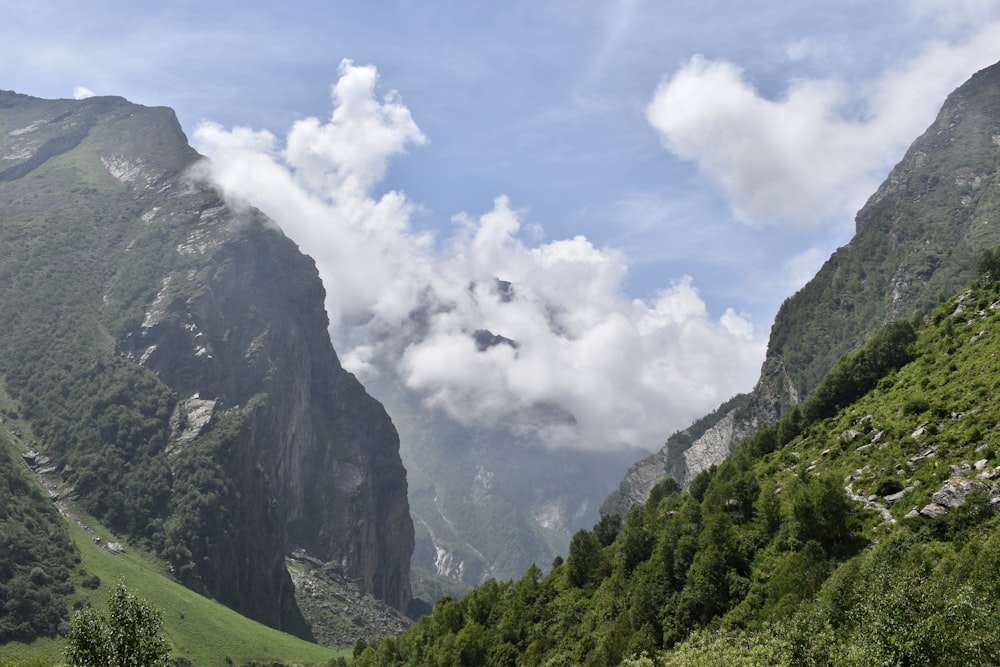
{"points": [[175, 417]]}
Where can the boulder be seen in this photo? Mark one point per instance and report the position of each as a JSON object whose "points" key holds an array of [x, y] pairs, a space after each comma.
{"points": [[954, 492]]}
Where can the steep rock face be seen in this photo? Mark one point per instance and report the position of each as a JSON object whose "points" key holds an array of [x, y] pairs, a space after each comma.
{"points": [[228, 314], [695, 448], [247, 326], [918, 237]]}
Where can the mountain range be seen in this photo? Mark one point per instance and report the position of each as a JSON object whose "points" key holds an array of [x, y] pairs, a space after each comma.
{"points": [[849, 513], [167, 376]]}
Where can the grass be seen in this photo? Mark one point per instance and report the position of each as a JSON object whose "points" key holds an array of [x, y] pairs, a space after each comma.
{"points": [[942, 402], [197, 628]]}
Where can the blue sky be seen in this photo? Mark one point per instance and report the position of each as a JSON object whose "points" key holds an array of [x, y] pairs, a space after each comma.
{"points": [[707, 156]]}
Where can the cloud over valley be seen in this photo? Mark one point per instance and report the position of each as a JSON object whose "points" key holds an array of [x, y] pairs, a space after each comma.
{"points": [[488, 321]]}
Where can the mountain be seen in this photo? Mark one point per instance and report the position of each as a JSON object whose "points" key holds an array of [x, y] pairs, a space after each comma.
{"points": [[488, 501], [169, 354], [862, 528], [917, 238]]}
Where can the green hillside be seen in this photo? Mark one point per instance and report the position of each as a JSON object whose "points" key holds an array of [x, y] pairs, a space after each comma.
{"points": [[859, 530], [168, 359], [49, 566], [197, 628], [916, 241]]}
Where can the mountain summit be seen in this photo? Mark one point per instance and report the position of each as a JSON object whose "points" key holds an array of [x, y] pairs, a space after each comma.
{"points": [[170, 355]]}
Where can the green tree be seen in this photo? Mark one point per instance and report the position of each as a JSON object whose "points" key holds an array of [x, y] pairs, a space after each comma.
{"points": [[607, 528], [989, 263], [129, 633], [667, 486], [821, 511], [586, 559]]}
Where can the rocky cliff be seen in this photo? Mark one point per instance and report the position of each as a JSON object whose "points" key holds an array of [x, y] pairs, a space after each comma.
{"points": [[248, 436], [917, 238]]}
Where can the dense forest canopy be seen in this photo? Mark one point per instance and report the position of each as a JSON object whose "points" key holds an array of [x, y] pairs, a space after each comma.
{"points": [[834, 536]]}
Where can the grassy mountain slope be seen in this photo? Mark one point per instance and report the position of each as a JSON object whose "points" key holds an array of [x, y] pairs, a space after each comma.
{"points": [[50, 567], [38, 562], [917, 239], [169, 356], [196, 627], [859, 529]]}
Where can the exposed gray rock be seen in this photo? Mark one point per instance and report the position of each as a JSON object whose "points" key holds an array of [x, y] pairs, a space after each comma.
{"points": [[960, 469], [933, 510], [710, 448], [927, 453], [896, 497], [870, 502], [954, 492]]}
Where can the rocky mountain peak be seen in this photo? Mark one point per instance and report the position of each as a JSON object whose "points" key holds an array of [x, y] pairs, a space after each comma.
{"points": [[254, 440]]}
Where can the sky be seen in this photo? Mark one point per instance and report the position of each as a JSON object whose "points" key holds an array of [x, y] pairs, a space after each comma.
{"points": [[652, 178]]}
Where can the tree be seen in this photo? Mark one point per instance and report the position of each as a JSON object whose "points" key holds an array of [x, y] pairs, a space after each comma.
{"points": [[607, 528], [129, 633], [989, 263], [586, 559]]}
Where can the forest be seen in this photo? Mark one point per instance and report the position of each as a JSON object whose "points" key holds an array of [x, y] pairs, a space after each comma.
{"points": [[766, 558]]}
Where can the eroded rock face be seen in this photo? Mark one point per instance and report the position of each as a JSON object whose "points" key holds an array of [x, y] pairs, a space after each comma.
{"points": [[244, 325]]}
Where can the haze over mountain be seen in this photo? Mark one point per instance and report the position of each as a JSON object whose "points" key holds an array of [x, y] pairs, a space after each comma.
{"points": [[587, 367], [556, 111]]}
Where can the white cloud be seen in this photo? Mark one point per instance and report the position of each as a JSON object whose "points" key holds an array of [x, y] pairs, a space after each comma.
{"points": [[814, 154], [406, 307], [82, 93], [958, 15]]}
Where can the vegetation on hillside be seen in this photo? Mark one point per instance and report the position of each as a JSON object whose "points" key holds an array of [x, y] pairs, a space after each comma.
{"points": [[916, 242], [37, 557], [128, 633], [78, 266], [766, 559]]}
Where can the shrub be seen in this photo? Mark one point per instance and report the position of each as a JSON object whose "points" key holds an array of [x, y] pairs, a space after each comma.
{"points": [[888, 486], [128, 634]]}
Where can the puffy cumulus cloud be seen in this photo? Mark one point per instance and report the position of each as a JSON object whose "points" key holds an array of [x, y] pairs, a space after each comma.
{"points": [[627, 371], [787, 160], [490, 322], [318, 187], [82, 93], [816, 152]]}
